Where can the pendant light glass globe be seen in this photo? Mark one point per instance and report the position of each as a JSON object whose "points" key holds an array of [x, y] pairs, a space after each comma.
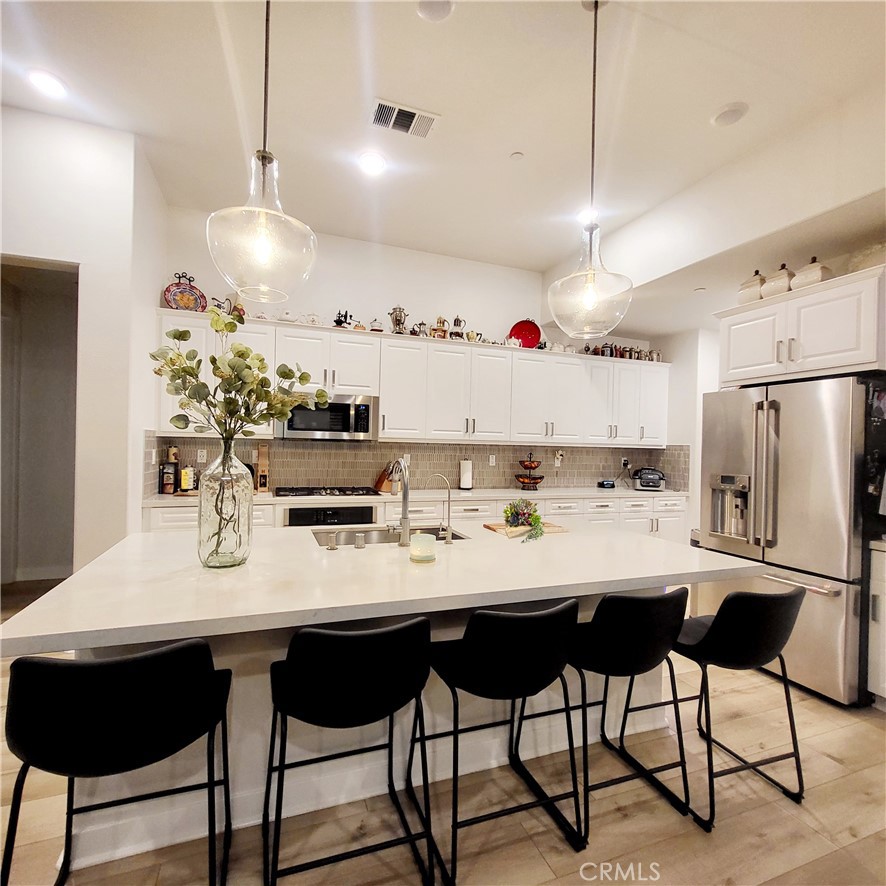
{"points": [[262, 252], [591, 301]]}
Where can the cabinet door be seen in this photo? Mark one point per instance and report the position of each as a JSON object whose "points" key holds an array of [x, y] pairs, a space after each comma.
{"points": [[354, 364], [307, 348], [599, 411], [263, 340], [829, 330], [566, 396], [877, 625], [530, 394], [653, 404], [626, 403], [752, 344], [448, 391], [204, 340], [490, 395], [671, 527], [403, 398], [639, 523]]}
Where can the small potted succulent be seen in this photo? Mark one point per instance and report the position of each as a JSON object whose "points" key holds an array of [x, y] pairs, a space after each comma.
{"points": [[522, 518]]}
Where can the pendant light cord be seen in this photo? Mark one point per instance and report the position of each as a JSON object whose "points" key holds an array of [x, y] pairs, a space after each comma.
{"points": [[593, 108], [264, 142]]}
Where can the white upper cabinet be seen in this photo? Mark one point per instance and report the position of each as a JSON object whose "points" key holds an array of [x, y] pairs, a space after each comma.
{"points": [[529, 394], [653, 415], [566, 396], [835, 325], [337, 362], [490, 394], [626, 403], [599, 403], [448, 391], [404, 375]]}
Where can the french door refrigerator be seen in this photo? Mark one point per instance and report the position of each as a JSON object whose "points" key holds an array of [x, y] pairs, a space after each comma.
{"points": [[779, 473]]}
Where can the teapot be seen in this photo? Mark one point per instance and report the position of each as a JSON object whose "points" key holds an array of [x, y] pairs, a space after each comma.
{"points": [[398, 318], [470, 335], [441, 330], [457, 328], [375, 326]]}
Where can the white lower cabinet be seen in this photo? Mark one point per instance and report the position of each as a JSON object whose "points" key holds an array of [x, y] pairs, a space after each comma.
{"points": [[877, 622], [161, 519], [475, 510], [420, 512], [662, 517]]}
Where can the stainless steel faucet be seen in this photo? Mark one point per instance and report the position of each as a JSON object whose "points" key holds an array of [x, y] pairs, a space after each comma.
{"points": [[448, 504], [401, 470]]}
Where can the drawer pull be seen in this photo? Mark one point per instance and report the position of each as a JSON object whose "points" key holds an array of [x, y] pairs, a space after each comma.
{"points": [[470, 510]]}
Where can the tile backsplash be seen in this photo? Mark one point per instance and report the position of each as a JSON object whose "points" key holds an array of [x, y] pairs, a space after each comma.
{"points": [[299, 463]]}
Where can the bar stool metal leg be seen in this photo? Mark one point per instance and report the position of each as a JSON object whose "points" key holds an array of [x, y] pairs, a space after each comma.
{"points": [[278, 816], [12, 824], [210, 804], [226, 794], [266, 810]]}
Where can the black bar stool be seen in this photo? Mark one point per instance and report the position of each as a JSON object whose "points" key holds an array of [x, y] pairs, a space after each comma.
{"points": [[509, 656], [341, 680], [87, 719], [748, 631], [629, 636]]}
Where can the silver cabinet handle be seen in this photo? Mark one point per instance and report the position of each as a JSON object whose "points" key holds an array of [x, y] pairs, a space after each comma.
{"points": [[470, 510], [474, 426], [325, 372], [642, 434], [609, 431], [875, 607], [615, 431], [333, 378], [467, 424], [552, 429], [813, 589], [778, 346], [546, 428], [383, 421], [791, 349]]}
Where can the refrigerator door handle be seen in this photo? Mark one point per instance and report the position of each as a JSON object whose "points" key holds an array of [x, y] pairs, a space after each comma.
{"points": [[755, 476], [769, 408], [813, 589]]}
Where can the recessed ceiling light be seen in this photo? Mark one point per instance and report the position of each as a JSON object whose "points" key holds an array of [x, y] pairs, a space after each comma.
{"points": [[517, 155], [434, 10], [729, 114], [586, 216], [48, 84], [372, 163]]}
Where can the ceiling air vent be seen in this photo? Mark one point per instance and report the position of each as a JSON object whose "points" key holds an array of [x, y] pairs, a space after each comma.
{"points": [[389, 115]]}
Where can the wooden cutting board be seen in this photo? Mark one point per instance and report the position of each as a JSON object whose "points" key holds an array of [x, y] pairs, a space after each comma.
{"points": [[518, 531]]}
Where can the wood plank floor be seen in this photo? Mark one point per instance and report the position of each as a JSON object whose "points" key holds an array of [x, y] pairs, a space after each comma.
{"points": [[837, 836]]}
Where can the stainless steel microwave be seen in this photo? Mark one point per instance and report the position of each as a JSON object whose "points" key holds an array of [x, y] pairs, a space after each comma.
{"points": [[345, 418]]}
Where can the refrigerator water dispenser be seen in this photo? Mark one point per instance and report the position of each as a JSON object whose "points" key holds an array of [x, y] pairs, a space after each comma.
{"points": [[729, 505]]}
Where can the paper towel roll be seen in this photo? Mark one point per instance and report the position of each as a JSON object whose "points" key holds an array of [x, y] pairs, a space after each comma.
{"points": [[465, 474]]}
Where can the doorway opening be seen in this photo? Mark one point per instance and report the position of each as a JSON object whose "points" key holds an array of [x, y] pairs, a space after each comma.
{"points": [[38, 420]]}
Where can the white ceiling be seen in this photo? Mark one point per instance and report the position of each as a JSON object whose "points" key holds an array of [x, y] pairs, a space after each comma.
{"points": [[504, 76]]}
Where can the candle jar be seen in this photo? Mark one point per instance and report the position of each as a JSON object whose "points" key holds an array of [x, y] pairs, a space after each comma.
{"points": [[421, 548]]}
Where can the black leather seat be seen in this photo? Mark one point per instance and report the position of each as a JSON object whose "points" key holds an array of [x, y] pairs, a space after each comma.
{"points": [[509, 656], [748, 631], [88, 719], [629, 636], [341, 680]]}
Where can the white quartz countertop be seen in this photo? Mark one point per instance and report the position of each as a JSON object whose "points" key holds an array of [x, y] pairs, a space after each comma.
{"points": [[433, 494], [151, 586]]}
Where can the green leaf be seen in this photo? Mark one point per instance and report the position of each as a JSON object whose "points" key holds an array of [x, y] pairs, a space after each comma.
{"points": [[180, 421], [230, 326], [304, 378], [179, 334], [202, 429], [246, 433], [199, 392], [191, 356], [217, 321], [284, 372]]}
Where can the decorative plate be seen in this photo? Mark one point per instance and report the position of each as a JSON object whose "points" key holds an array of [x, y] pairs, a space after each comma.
{"points": [[527, 332], [183, 295]]}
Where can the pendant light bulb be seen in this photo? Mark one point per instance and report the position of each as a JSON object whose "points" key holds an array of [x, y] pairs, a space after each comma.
{"points": [[591, 301], [260, 251]]}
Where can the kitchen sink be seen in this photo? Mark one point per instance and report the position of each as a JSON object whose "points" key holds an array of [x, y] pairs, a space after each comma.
{"points": [[379, 536]]}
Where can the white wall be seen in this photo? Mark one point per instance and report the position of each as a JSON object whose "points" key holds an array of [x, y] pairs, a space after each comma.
{"points": [[368, 279], [67, 196], [149, 267]]}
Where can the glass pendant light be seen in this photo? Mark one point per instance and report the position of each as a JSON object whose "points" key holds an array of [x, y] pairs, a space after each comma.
{"points": [[261, 252], [591, 301]]}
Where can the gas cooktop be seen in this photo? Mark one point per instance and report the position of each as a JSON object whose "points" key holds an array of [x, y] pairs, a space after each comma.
{"points": [[325, 490]]}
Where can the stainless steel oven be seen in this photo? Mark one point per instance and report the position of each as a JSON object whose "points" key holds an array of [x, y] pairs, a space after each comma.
{"points": [[345, 418]]}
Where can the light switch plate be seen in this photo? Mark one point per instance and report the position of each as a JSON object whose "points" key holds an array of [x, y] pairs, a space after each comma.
{"points": [[153, 456], [201, 456], [254, 456], [491, 461]]}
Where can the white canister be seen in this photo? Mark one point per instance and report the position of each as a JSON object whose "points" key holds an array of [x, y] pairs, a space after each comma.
{"points": [[751, 289], [814, 272], [778, 283], [466, 474]]}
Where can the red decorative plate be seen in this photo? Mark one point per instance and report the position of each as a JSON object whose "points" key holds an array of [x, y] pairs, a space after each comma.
{"points": [[527, 332], [183, 295]]}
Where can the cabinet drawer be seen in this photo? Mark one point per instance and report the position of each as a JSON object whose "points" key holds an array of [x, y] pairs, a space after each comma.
{"points": [[425, 510], [878, 566], [473, 509], [263, 515], [636, 505], [563, 506], [173, 518], [670, 504], [604, 519], [601, 506]]}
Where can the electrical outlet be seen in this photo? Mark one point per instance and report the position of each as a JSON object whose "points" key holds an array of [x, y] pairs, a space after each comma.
{"points": [[491, 461], [254, 456], [153, 456], [625, 463], [406, 457], [201, 456]]}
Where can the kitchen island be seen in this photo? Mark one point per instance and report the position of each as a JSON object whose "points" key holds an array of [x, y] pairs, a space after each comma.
{"points": [[150, 588]]}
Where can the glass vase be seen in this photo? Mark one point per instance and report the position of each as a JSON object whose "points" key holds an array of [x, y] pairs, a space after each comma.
{"points": [[225, 515]]}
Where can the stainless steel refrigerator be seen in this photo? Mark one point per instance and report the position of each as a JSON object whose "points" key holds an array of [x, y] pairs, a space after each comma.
{"points": [[779, 473]]}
